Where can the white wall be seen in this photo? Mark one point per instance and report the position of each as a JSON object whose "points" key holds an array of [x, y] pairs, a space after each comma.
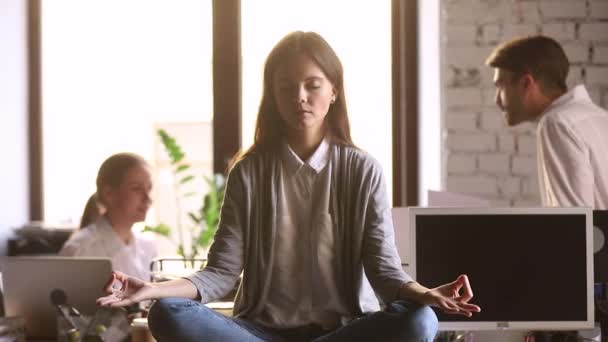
{"points": [[13, 118]]}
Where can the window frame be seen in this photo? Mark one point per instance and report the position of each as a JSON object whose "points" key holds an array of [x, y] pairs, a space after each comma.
{"points": [[227, 106]]}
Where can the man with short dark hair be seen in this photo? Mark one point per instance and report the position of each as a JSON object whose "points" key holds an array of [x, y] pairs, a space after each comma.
{"points": [[572, 133]]}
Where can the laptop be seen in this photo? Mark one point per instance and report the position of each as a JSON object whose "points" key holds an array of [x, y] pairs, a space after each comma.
{"points": [[28, 283]]}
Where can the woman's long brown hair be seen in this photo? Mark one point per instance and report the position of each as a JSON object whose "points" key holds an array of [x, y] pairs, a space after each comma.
{"points": [[270, 128]]}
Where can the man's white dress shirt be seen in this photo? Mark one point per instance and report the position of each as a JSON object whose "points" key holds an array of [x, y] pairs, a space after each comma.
{"points": [[572, 152]]}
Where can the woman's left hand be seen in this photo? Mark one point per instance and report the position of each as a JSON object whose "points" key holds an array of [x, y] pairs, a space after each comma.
{"points": [[449, 299]]}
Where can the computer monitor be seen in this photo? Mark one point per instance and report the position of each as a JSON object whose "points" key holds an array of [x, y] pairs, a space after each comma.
{"points": [[28, 283], [530, 268]]}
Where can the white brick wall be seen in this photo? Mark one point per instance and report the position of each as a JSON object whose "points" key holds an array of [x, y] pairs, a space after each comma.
{"points": [[470, 97], [472, 142], [487, 79], [462, 34], [530, 186], [490, 33], [600, 53], [552, 9], [509, 187], [596, 95], [562, 30], [494, 163], [598, 9], [492, 121], [489, 94], [461, 12], [597, 76], [515, 30], [506, 143], [468, 56], [463, 121], [477, 185], [524, 12], [575, 76], [593, 31], [461, 163], [526, 145], [524, 166], [526, 202], [577, 52], [484, 156]]}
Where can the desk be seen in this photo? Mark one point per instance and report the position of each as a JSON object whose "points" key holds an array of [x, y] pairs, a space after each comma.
{"points": [[225, 308], [140, 331]]}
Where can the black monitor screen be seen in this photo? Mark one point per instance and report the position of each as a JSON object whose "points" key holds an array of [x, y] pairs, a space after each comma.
{"points": [[524, 267]]}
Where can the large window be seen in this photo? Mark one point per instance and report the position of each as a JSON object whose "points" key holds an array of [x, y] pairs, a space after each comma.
{"points": [[359, 31], [112, 72], [105, 74]]}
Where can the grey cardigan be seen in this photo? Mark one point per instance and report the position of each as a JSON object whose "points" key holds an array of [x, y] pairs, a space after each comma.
{"points": [[362, 224]]}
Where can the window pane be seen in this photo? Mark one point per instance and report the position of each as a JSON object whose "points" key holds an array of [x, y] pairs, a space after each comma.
{"points": [[359, 32], [113, 71]]}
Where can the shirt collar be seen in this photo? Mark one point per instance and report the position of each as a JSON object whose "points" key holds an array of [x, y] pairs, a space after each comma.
{"points": [[109, 236], [316, 162], [577, 93]]}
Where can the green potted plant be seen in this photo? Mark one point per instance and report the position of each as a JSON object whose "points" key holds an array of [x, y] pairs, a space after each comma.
{"points": [[202, 222]]}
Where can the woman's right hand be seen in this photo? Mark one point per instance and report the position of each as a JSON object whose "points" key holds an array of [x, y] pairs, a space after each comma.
{"points": [[123, 290]]}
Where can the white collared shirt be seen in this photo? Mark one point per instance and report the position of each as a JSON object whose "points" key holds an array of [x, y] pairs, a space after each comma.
{"points": [[100, 240], [573, 152], [304, 292]]}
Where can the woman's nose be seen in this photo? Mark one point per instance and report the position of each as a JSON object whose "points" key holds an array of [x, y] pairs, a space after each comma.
{"points": [[300, 95]]}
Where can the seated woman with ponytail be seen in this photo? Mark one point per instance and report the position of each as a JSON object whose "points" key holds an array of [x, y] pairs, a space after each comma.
{"points": [[122, 199]]}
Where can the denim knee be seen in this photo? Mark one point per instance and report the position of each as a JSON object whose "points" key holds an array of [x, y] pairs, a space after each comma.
{"points": [[164, 316], [419, 321]]}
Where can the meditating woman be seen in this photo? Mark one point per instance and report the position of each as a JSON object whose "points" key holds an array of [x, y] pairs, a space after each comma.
{"points": [[306, 219]]}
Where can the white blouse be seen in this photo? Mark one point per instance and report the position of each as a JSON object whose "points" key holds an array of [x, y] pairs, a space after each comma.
{"points": [[100, 240], [304, 283]]}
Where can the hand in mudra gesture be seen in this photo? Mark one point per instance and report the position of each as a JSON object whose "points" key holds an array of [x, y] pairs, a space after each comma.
{"points": [[123, 290], [449, 299]]}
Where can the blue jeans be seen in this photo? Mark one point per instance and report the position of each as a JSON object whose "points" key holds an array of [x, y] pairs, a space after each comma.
{"points": [[178, 319]]}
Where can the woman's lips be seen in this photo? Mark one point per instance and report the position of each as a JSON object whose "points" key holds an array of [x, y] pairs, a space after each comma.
{"points": [[302, 112]]}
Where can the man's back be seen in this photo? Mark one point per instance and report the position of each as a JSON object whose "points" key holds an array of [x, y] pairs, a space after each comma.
{"points": [[573, 152]]}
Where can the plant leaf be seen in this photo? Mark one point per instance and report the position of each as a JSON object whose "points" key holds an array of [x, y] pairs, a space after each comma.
{"points": [[186, 179], [173, 149], [194, 218], [180, 250], [182, 167], [161, 229]]}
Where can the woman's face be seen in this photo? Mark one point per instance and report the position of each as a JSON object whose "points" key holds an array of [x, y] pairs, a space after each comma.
{"points": [[302, 94], [130, 200]]}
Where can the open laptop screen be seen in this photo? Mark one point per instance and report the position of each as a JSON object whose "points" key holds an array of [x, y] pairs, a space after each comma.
{"points": [[29, 281]]}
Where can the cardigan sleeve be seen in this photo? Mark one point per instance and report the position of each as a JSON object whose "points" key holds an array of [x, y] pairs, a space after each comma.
{"points": [[381, 261], [225, 258]]}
